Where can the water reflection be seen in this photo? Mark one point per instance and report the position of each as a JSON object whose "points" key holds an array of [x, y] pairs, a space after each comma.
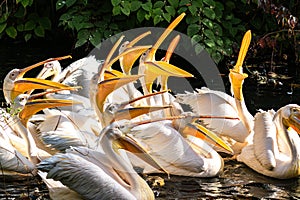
{"points": [[237, 182]]}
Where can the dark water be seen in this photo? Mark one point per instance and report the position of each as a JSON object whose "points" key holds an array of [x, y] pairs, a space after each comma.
{"points": [[237, 181]]}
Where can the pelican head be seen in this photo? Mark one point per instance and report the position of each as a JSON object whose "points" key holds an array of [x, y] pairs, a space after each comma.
{"points": [[52, 68], [290, 115], [14, 83]]}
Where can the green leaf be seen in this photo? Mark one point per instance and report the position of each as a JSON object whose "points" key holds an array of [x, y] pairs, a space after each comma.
{"points": [[196, 39], [25, 3], [60, 4], [210, 3], [135, 5], [209, 13], [208, 23], [193, 29], [20, 12], [45, 23], [216, 56], [193, 9], [96, 38], [4, 17], [82, 37], [125, 10], [174, 3], [140, 15], [39, 31], [181, 10], [107, 33], [70, 3], [210, 43], [157, 11], [192, 19], [20, 27], [218, 29], [198, 48], [230, 5], [170, 10], [11, 32], [184, 2], [116, 10], [27, 36], [84, 25], [198, 4], [167, 17], [65, 17], [158, 4], [29, 25], [2, 27], [219, 6], [219, 42], [147, 6], [208, 33], [157, 19], [115, 2]]}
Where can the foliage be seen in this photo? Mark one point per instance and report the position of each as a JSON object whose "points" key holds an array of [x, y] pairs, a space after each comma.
{"points": [[16, 19], [213, 24]]}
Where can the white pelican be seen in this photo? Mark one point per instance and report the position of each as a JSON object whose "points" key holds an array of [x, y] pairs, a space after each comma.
{"points": [[14, 83], [95, 175], [275, 150], [178, 155], [216, 103]]}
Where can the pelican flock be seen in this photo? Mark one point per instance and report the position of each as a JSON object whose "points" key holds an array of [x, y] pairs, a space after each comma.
{"points": [[84, 129]]}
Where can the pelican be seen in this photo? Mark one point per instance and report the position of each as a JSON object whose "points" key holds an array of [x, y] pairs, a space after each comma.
{"points": [[275, 150], [178, 155], [209, 102], [14, 83], [96, 175]]}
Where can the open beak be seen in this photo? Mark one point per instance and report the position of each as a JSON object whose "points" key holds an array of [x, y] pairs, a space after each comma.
{"points": [[131, 145], [107, 86], [161, 68], [34, 106], [130, 113], [133, 54], [128, 60], [197, 130], [108, 62], [243, 51], [23, 71], [26, 84]]}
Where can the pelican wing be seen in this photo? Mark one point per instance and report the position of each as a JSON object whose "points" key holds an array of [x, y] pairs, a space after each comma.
{"points": [[264, 139], [84, 177]]}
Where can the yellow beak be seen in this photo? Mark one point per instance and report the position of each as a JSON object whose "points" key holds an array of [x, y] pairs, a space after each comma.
{"points": [[23, 71], [130, 113], [199, 131], [128, 60], [131, 145], [34, 106], [107, 86], [26, 84], [161, 68], [243, 51]]}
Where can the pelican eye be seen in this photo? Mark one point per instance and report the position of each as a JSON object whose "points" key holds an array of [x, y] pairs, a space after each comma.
{"points": [[14, 74]]}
